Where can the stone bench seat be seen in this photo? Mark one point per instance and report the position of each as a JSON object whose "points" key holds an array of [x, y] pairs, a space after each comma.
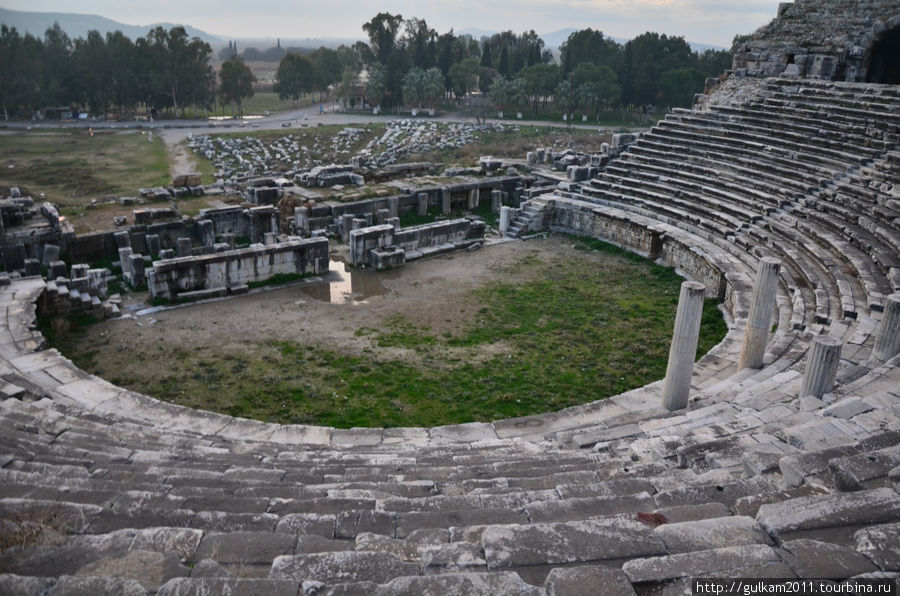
{"points": [[886, 121], [811, 178], [837, 104], [720, 199], [768, 190], [665, 209], [878, 251], [843, 151], [885, 132], [751, 146], [848, 136], [834, 297]]}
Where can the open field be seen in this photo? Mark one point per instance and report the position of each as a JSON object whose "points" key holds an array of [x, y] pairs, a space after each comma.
{"points": [[510, 330]]}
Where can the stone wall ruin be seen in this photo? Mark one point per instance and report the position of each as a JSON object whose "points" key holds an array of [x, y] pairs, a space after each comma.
{"points": [[840, 40]]}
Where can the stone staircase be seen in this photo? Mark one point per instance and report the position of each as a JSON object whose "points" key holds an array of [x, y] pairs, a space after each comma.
{"points": [[528, 218], [105, 491]]}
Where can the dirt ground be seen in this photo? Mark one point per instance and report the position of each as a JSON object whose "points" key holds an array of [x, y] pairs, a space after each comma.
{"points": [[432, 293]]}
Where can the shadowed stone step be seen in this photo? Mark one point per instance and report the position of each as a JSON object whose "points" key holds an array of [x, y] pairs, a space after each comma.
{"points": [[505, 583], [865, 470], [217, 586], [407, 522], [590, 579], [575, 509], [795, 468], [732, 561], [150, 569], [568, 542], [408, 549], [881, 544], [245, 548], [813, 516], [341, 567], [711, 533], [812, 559]]}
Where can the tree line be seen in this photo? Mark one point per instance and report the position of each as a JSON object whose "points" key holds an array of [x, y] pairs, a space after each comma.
{"points": [[406, 63], [409, 63], [165, 70]]}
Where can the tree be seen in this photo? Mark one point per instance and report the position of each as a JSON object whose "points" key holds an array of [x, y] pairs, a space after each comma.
{"points": [[589, 46], [375, 86], [412, 87], [500, 92], [382, 32], [346, 91], [595, 85], [564, 98], [178, 67], [464, 76], [679, 86], [237, 82], [433, 86], [646, 57], [541, 80], [295, 76]]}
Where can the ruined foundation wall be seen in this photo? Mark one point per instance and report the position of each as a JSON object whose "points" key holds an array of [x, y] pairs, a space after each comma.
{"points": [[230, 269]]}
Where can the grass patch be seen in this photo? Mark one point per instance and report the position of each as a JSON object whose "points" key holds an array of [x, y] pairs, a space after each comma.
{"points": [[73, 166], [279, 279], [565, 333]]}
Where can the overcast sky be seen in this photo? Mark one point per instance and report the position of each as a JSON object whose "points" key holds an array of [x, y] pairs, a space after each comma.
{"points": [[706, 21]]}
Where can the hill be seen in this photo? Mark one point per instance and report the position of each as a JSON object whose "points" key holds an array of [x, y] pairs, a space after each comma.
{"points": [[78, 25]]}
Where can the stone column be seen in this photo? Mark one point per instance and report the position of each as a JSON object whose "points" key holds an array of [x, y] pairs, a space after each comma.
{"points": [[183, 247], [137, 267], [473, 198], [505, 217], [445, 200], [762, 308], [496, 200], [206, 232], [346, 226], [153, 244], [821, 366], [422, 199], [887, 343], [393, 204], [677, 385]]}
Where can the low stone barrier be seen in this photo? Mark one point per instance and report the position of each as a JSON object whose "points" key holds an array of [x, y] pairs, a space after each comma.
{"points": [[234, 269]]}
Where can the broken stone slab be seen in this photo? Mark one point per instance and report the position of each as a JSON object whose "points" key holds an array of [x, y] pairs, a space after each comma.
{"points": [[580, 508], [505, 583], [783, 520], [568, 542], [148, 568], [847, 408], [812, 559], [755, 560], [591, 579], [881, 544], [248, 548], [794, 468], [407, 549], [209, 568], [216, 586], [70, 585], [750, 504], [453, 556], [341, 567], [864, 470], [711, 533]]}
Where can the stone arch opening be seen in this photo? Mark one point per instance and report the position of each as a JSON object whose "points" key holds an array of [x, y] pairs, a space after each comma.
{"points": [[884, 63]]}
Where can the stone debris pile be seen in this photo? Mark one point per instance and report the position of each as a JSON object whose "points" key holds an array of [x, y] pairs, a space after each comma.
{"points": [[239, 159]]}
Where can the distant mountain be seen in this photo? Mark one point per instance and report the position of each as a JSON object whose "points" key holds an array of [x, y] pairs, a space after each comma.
{"points": [[78, 25]]}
